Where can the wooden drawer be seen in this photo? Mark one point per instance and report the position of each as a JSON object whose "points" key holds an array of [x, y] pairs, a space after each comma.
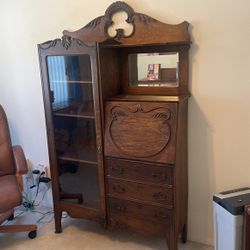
{"points": [[138, 171], [141, 130], [142, 226], [149, 213], [150, 194]]}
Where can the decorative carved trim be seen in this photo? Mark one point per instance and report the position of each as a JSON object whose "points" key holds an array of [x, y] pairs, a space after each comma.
{"points": [[65, 41], [145, 18], [92, 24], [113, 9], [49, 44], [162, 115], [140, 25], [117, 7]]}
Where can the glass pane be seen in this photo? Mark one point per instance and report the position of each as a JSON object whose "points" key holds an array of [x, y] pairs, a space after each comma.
{"points": [[75, 139], [71, 84], [153, 69], [79, 183], [69, 68]]}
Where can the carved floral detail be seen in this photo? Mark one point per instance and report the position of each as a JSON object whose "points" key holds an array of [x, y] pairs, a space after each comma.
{"points": [[49, 44], [145, 19], [92, 24], [65, 41]]}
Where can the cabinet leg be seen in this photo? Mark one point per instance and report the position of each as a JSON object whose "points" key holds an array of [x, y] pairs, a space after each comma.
{"points": [[172, 240], [184, 233], [58, 221]]}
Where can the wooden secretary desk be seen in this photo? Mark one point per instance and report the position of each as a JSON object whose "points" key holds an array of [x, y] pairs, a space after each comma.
{"points": [[116, 114]]}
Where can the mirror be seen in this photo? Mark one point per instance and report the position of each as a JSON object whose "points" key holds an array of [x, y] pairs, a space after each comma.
{"points": [[153, 69]]}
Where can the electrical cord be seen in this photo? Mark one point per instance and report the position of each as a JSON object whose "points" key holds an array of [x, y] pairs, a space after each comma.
{"points": [[38, 185], [39, 202]]}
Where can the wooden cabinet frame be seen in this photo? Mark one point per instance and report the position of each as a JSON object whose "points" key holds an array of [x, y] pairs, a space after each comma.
{"points": [[132, 181]]}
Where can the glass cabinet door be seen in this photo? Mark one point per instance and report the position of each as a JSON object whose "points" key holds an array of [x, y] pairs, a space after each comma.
{"points": [[74, 123]]}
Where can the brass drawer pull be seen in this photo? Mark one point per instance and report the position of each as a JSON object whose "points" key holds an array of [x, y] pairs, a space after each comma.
{"points": [[160, 215], [117, 170], [120, 208], [118, 189], [159, 175], [160, 196]]}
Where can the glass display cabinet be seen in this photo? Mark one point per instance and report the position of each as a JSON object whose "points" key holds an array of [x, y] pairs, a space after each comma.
{"points": [[74, 130], [116, 115]]}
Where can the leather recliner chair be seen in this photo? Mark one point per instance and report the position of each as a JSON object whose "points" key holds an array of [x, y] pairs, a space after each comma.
{"points": [[12, 164]]}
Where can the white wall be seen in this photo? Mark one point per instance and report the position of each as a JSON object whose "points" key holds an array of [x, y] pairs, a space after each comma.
{"points": [[219, 114]]}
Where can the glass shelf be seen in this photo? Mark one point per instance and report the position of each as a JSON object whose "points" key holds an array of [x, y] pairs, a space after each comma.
{"points": [[75, 139], [72, 114], [72, 81], [84, 155], [75, 111]]}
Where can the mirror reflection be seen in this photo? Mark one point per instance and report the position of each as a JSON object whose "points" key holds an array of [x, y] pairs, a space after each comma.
{"points": [[153, 69]]}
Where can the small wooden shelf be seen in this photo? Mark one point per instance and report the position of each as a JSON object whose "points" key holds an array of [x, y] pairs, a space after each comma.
{"points": [[150, 98]]}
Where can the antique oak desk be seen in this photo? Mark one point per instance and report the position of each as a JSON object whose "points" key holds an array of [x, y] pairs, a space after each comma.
{"points": [[116, 113]]}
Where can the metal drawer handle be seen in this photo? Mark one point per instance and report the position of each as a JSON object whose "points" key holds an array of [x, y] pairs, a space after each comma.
{"points": [[120, 208], [118, 189], [159, 196], [160, 215], [117, 170], [159, 175]]}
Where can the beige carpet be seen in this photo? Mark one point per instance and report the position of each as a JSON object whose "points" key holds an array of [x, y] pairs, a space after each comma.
{"points": [[81, 235]]}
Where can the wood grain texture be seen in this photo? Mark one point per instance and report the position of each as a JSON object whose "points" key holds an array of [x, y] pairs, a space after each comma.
{"points": [[139, 171], [153, 214], [137, 130], [147, 194]]}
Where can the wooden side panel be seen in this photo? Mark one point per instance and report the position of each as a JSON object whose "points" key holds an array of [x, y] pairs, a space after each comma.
{"points": [[181, 172], [141, 131]]}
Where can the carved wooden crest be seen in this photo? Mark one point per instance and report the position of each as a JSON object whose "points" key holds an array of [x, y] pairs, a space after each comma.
{"points": [[145, 28]]}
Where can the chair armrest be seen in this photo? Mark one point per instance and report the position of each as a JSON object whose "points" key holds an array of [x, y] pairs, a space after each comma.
{"points": [[20, 161]]}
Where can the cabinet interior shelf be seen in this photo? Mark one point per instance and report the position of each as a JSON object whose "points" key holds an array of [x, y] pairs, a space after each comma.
{"points": [[86, 115], [70, 81], [83, 155]]}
